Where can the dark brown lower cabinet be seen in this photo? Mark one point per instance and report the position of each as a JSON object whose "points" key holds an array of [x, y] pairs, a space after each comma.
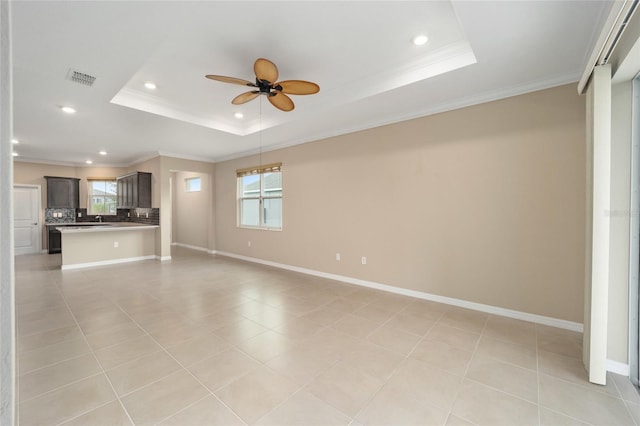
{"points": [[55, 240]]}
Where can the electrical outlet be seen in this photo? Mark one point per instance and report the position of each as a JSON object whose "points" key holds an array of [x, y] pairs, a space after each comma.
{"points": [[364, 260], [115, 244], [248, 243], [337, 256], [128, 214], [79, 214]]}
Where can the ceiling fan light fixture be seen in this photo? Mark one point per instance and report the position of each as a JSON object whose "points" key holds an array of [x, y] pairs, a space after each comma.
{"points": [[267, 84], [420, 40]]}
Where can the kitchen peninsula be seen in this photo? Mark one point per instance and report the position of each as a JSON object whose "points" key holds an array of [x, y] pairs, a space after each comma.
{"points": [[106, 243]]}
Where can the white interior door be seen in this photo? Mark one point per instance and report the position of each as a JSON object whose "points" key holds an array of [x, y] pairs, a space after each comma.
{"points": [[26, 219]]}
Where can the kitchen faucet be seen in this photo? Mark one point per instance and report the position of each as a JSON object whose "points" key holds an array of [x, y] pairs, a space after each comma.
{"points": [[99, 218]]}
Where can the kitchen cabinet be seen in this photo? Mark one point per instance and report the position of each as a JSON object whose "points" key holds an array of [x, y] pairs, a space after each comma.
{"points": [[63, 192], [134, 190], [55, 240]]}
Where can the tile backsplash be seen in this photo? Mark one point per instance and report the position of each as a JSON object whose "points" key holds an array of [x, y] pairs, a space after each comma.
{"points": [[59, 215], [140, 215], [83, 216]]}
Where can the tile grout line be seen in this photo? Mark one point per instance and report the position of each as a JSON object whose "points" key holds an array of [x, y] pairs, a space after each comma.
{"points": [[86, 412], [95, 357], [304, 387], [52, 364], [300, 388], [625, 402], [183, 409], [581, 386], [406, 357], [180, 364], [63, 386], [466, 371]]}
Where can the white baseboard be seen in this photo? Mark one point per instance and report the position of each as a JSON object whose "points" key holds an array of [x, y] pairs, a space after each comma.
{"points": [[525, 316], [618, 368], [204, 249], [106, 262], [161, 258]]}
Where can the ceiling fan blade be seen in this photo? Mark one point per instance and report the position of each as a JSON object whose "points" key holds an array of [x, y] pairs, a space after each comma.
{"points": [[281, 101], [266, 70], [245, 97], [231, 80], [298, 87]]}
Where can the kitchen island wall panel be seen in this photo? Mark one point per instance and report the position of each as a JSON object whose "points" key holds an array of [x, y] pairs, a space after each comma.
{"points": [[101, 246]]}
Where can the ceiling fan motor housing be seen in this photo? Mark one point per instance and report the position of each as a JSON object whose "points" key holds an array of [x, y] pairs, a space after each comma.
{"points": [[264, 86]]}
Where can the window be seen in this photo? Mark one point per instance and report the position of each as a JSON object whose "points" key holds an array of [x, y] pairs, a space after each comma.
{"points": [[260, 197], [192, 184], [102, 196]]}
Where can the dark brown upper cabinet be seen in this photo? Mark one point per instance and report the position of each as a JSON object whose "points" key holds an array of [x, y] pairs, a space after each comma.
{"points": [[134, 190], [63, 192]]}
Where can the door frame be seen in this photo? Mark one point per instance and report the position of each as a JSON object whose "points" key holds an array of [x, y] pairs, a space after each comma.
{"points": [[39, 210]]}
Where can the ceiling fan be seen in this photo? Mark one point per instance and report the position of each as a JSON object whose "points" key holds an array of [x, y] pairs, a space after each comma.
{"points": [[266, 84]]}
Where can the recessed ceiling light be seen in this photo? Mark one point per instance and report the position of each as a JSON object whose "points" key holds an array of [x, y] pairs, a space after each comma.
{"points": [[68, 110], [420, 40], [149, 85], [238, 115], [89, 162], [15, 154], [15, 141], [103, 153]]}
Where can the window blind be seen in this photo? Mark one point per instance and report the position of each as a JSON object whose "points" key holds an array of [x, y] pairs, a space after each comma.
{"points": [[256, 170], [101, 178]]}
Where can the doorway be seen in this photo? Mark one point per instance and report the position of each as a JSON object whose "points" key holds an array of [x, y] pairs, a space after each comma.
{"points": [[27, 225], [191, 210]]}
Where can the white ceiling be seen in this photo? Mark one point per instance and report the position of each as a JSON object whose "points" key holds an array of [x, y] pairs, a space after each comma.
{"points": [[360, 53]]}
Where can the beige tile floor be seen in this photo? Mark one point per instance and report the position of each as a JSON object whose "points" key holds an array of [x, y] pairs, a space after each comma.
{"points": [[204, 340]]}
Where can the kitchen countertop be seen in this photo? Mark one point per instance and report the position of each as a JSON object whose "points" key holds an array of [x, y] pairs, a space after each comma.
{"points": [[86, 227]]}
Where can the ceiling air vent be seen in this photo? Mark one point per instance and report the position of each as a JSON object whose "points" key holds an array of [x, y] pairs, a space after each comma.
{"points": [[80, 78]]}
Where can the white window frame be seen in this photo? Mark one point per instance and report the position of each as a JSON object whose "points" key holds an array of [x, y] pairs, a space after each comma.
{"points": [[187, 187], [91, 195], [261, 195]]}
